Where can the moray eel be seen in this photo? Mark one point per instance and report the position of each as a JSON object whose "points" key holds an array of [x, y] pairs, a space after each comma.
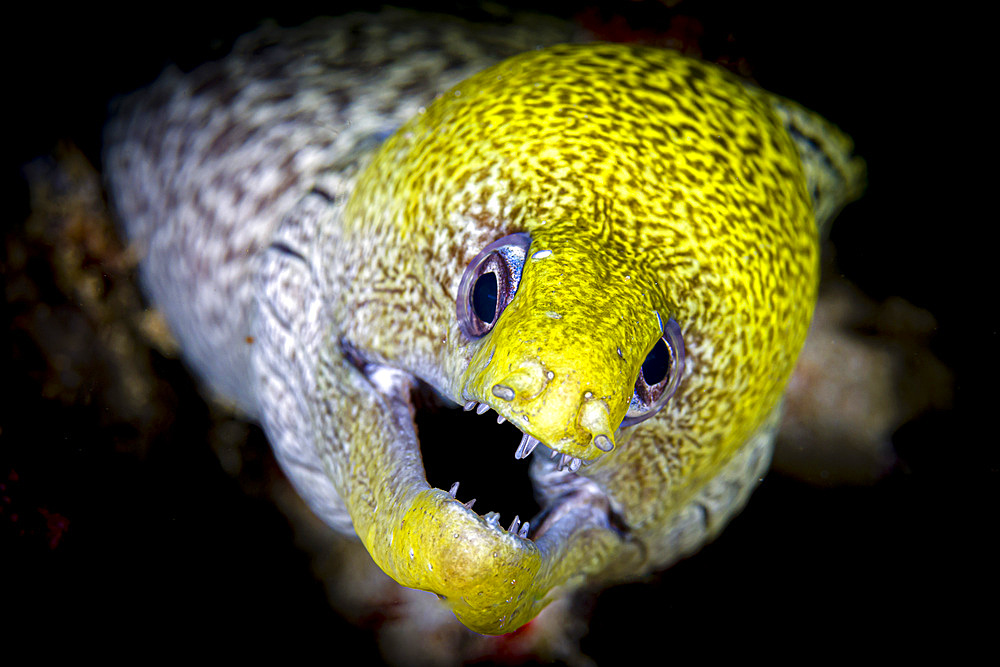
{"points": [[612, 247]]}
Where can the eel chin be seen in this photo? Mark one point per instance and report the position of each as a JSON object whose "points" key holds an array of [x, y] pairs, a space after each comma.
{"points": [[494, 579]]}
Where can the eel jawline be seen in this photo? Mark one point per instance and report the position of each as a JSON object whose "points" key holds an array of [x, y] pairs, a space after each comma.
{"points": [[494, 581]]}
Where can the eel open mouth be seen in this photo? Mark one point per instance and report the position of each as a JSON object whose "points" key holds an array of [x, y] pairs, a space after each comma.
{"points": [[426, 532], [505, 474]]}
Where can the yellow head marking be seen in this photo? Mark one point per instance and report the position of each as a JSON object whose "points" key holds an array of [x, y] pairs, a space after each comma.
{"points": [[659, 184], [652, 186]]}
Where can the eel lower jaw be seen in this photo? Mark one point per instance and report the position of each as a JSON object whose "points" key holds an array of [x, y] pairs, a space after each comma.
{"points": [[493, 579]]}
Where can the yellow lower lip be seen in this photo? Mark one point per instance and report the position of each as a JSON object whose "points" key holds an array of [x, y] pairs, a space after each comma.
{"points": [[486, 576], [492, 580]]}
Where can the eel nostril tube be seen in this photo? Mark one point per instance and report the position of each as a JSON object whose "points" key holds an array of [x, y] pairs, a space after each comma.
{"points": [[595, 418], [603, 443], [503, 392]]}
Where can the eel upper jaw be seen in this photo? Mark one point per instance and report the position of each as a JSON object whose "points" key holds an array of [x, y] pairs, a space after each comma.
{"points": [[494, 579], [529, 443]]}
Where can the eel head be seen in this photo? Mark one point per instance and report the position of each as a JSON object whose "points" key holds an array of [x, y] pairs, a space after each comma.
{"points": [[576, 369], [535, 242]]}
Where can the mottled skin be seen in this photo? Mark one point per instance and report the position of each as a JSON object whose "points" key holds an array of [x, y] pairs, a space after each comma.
{"points": [[663, 187]]}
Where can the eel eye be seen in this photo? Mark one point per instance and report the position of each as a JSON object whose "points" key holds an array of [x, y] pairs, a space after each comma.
{"points": [[658, 377], [489, 284]]}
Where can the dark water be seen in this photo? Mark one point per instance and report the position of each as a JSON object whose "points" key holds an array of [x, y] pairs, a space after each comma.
{"points": [[164, 546]]}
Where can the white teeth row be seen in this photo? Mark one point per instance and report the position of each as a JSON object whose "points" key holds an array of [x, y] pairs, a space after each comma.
{"points": [[567, 462], [453, 492], [482, 407], [571, 463], [527, 446], [528, 443], [493, 518]]}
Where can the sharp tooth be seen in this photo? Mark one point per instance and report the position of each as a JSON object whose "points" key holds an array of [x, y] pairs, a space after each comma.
{"points": [[527, 446], [523, 533], [453, 490], [501, 419], [469, 504], [552, 454], [469, 406], [514, 525], [483, 407], [567, 462]]}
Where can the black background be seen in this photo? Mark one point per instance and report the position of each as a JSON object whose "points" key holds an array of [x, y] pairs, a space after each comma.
{"points": [[166, 547]]}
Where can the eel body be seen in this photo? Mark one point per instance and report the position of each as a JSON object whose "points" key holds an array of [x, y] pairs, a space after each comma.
{"points": [[614, 248]]}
